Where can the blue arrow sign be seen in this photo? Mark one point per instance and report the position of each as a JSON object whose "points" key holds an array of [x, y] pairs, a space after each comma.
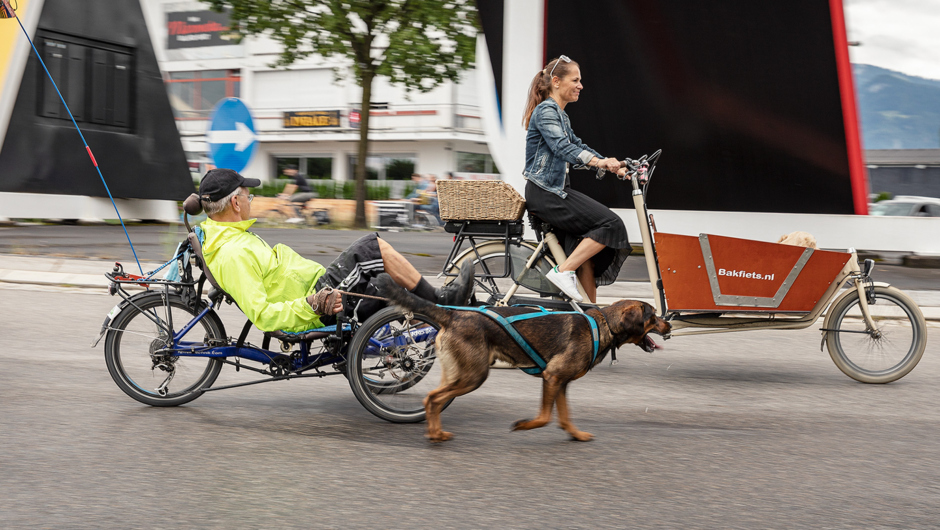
{"points": [[231, 135]]}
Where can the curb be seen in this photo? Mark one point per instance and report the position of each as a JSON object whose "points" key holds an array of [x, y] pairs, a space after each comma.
{"points": [[921, 262]]}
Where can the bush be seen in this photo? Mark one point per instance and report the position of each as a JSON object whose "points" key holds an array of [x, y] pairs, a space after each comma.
{"points": [[270, 189], [325, 190], [378, 193], [883, 196]]}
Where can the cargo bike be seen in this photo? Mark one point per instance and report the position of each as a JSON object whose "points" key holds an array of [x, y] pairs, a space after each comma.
{"points": [[708, 283], [166, 345]]}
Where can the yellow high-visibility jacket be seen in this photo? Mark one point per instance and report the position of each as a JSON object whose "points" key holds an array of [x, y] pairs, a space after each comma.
{"points": [[269, 284]]}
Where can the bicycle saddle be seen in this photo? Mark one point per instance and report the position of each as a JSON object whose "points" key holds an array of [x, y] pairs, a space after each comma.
{"points": [[539, 226]]}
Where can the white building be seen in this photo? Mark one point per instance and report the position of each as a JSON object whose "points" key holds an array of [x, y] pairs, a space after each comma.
{"points": [[302, 113]]}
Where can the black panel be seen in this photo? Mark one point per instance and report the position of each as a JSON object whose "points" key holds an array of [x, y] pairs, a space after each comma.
{"points": [[742, 96], [121, 88], [491, 20], [54, 55], [99, 85], [76, 80], [109, 75]]}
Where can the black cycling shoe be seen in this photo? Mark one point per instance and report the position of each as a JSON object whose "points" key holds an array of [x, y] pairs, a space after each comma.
{"points": [[459, 291]]}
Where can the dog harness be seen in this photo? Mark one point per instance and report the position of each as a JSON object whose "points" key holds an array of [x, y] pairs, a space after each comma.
{"points": [[506, 323]]}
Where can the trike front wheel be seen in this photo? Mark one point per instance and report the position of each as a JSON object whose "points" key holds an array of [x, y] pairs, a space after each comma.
{"points": [[136, 351], [884, 354], [392, 364]]}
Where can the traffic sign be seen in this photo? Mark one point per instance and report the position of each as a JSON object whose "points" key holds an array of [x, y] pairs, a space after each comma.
{"points": [[231, 135]]}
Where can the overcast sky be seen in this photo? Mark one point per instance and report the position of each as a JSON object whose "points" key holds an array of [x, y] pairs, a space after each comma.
{"points": [[902, 35]]}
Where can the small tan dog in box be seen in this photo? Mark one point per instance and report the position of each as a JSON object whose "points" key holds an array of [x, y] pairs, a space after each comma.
{"points": [[798, 239]]}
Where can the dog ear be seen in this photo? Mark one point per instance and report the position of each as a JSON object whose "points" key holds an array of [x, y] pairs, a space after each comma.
{"points": [[384, 283], [633, 323]]}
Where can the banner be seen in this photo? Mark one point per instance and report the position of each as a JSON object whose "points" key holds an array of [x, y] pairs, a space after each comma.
{"points": [[193, 29]]}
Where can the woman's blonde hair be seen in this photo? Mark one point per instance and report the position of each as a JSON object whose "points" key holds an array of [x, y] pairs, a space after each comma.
{"points": [[541, 86]]}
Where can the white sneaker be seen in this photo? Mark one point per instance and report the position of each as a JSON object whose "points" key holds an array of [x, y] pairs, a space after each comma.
{"points": [[567, 281]]}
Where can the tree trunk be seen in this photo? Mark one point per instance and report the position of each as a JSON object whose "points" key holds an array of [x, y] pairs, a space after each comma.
{"points": [[364, 113]]}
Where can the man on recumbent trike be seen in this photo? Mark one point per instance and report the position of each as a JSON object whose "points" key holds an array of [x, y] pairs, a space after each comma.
{"points": [[277, 288]]}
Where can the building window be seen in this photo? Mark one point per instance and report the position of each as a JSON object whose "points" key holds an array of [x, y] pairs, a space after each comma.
{"points": [[194, 94], [310, 168], [475, 163], [386, 167], [96, 79]]}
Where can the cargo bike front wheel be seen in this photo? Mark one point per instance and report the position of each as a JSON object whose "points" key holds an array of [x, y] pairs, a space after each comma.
{"points": [[881, 355]]}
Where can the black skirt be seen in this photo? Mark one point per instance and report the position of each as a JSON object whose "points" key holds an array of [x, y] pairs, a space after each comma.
{"points": [[578, 216]]}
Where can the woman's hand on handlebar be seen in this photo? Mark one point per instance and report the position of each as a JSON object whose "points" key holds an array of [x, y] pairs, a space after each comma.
{"points": [[622, 173], [609, 164]]}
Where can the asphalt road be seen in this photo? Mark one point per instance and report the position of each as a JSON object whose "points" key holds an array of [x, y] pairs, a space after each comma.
{"points": [[746, 430], [426, 250]]}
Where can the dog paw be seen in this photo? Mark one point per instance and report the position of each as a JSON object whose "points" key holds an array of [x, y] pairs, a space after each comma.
{"points": [[439, 437], [521, 425], [582, 436]]}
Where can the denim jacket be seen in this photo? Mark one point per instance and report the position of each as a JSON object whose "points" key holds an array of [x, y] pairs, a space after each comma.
{"points": [[550, 145]]}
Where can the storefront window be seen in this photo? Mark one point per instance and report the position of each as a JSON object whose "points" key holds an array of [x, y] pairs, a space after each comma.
{"points": [[310, 168], [194, 94], [475, 163], [319, 168], [386, 167]]}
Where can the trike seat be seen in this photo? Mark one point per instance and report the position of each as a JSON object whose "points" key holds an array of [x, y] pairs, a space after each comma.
{"points": [[192, 206]]}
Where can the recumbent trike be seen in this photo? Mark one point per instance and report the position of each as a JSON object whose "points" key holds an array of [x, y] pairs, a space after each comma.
{"points": [[165, 346]]}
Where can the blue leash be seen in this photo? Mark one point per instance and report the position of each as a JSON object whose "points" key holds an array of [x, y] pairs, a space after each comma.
{"points": [[5, 7], [506, 323]]}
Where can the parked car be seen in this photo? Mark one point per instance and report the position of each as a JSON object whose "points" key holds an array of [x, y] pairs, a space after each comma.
{"points": [[907, 205]]}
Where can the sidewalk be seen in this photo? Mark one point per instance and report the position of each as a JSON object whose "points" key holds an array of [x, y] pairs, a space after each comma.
{"points": [[89, 273]]}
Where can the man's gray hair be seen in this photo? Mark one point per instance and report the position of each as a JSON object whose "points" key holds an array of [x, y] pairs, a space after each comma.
{"points": [[219, 206]]}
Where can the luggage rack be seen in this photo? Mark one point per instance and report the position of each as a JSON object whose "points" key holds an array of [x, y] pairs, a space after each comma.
{"points": [[509, 231]]}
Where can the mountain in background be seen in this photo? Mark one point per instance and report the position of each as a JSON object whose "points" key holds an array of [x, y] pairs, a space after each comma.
{"points": [[897, 111]]}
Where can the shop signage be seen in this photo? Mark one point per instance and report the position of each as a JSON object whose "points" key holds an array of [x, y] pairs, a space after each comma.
{"points": [[316, 119], [192, 29]]}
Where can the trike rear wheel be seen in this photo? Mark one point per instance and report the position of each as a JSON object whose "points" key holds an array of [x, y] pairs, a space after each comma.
{"points": [[392, 364], [882, 355], [133, 351]]}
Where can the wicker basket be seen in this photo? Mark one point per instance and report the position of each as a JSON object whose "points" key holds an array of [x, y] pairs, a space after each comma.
{"points": [[479, 200]]}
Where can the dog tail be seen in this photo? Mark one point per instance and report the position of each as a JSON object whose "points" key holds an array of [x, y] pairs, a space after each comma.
{"points": [[397, 295]]}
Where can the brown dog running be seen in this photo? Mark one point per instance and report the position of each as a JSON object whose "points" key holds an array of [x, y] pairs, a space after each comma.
{"points": [[469, 341]]}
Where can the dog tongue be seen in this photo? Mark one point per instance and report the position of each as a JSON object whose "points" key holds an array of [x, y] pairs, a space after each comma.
{"points": [[652, 342]]}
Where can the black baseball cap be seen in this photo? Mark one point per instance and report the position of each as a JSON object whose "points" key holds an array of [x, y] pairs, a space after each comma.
{"points": [[220, 182]]}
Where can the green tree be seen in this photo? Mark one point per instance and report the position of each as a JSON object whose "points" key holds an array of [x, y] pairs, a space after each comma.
{"points": [[416, 43]]}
